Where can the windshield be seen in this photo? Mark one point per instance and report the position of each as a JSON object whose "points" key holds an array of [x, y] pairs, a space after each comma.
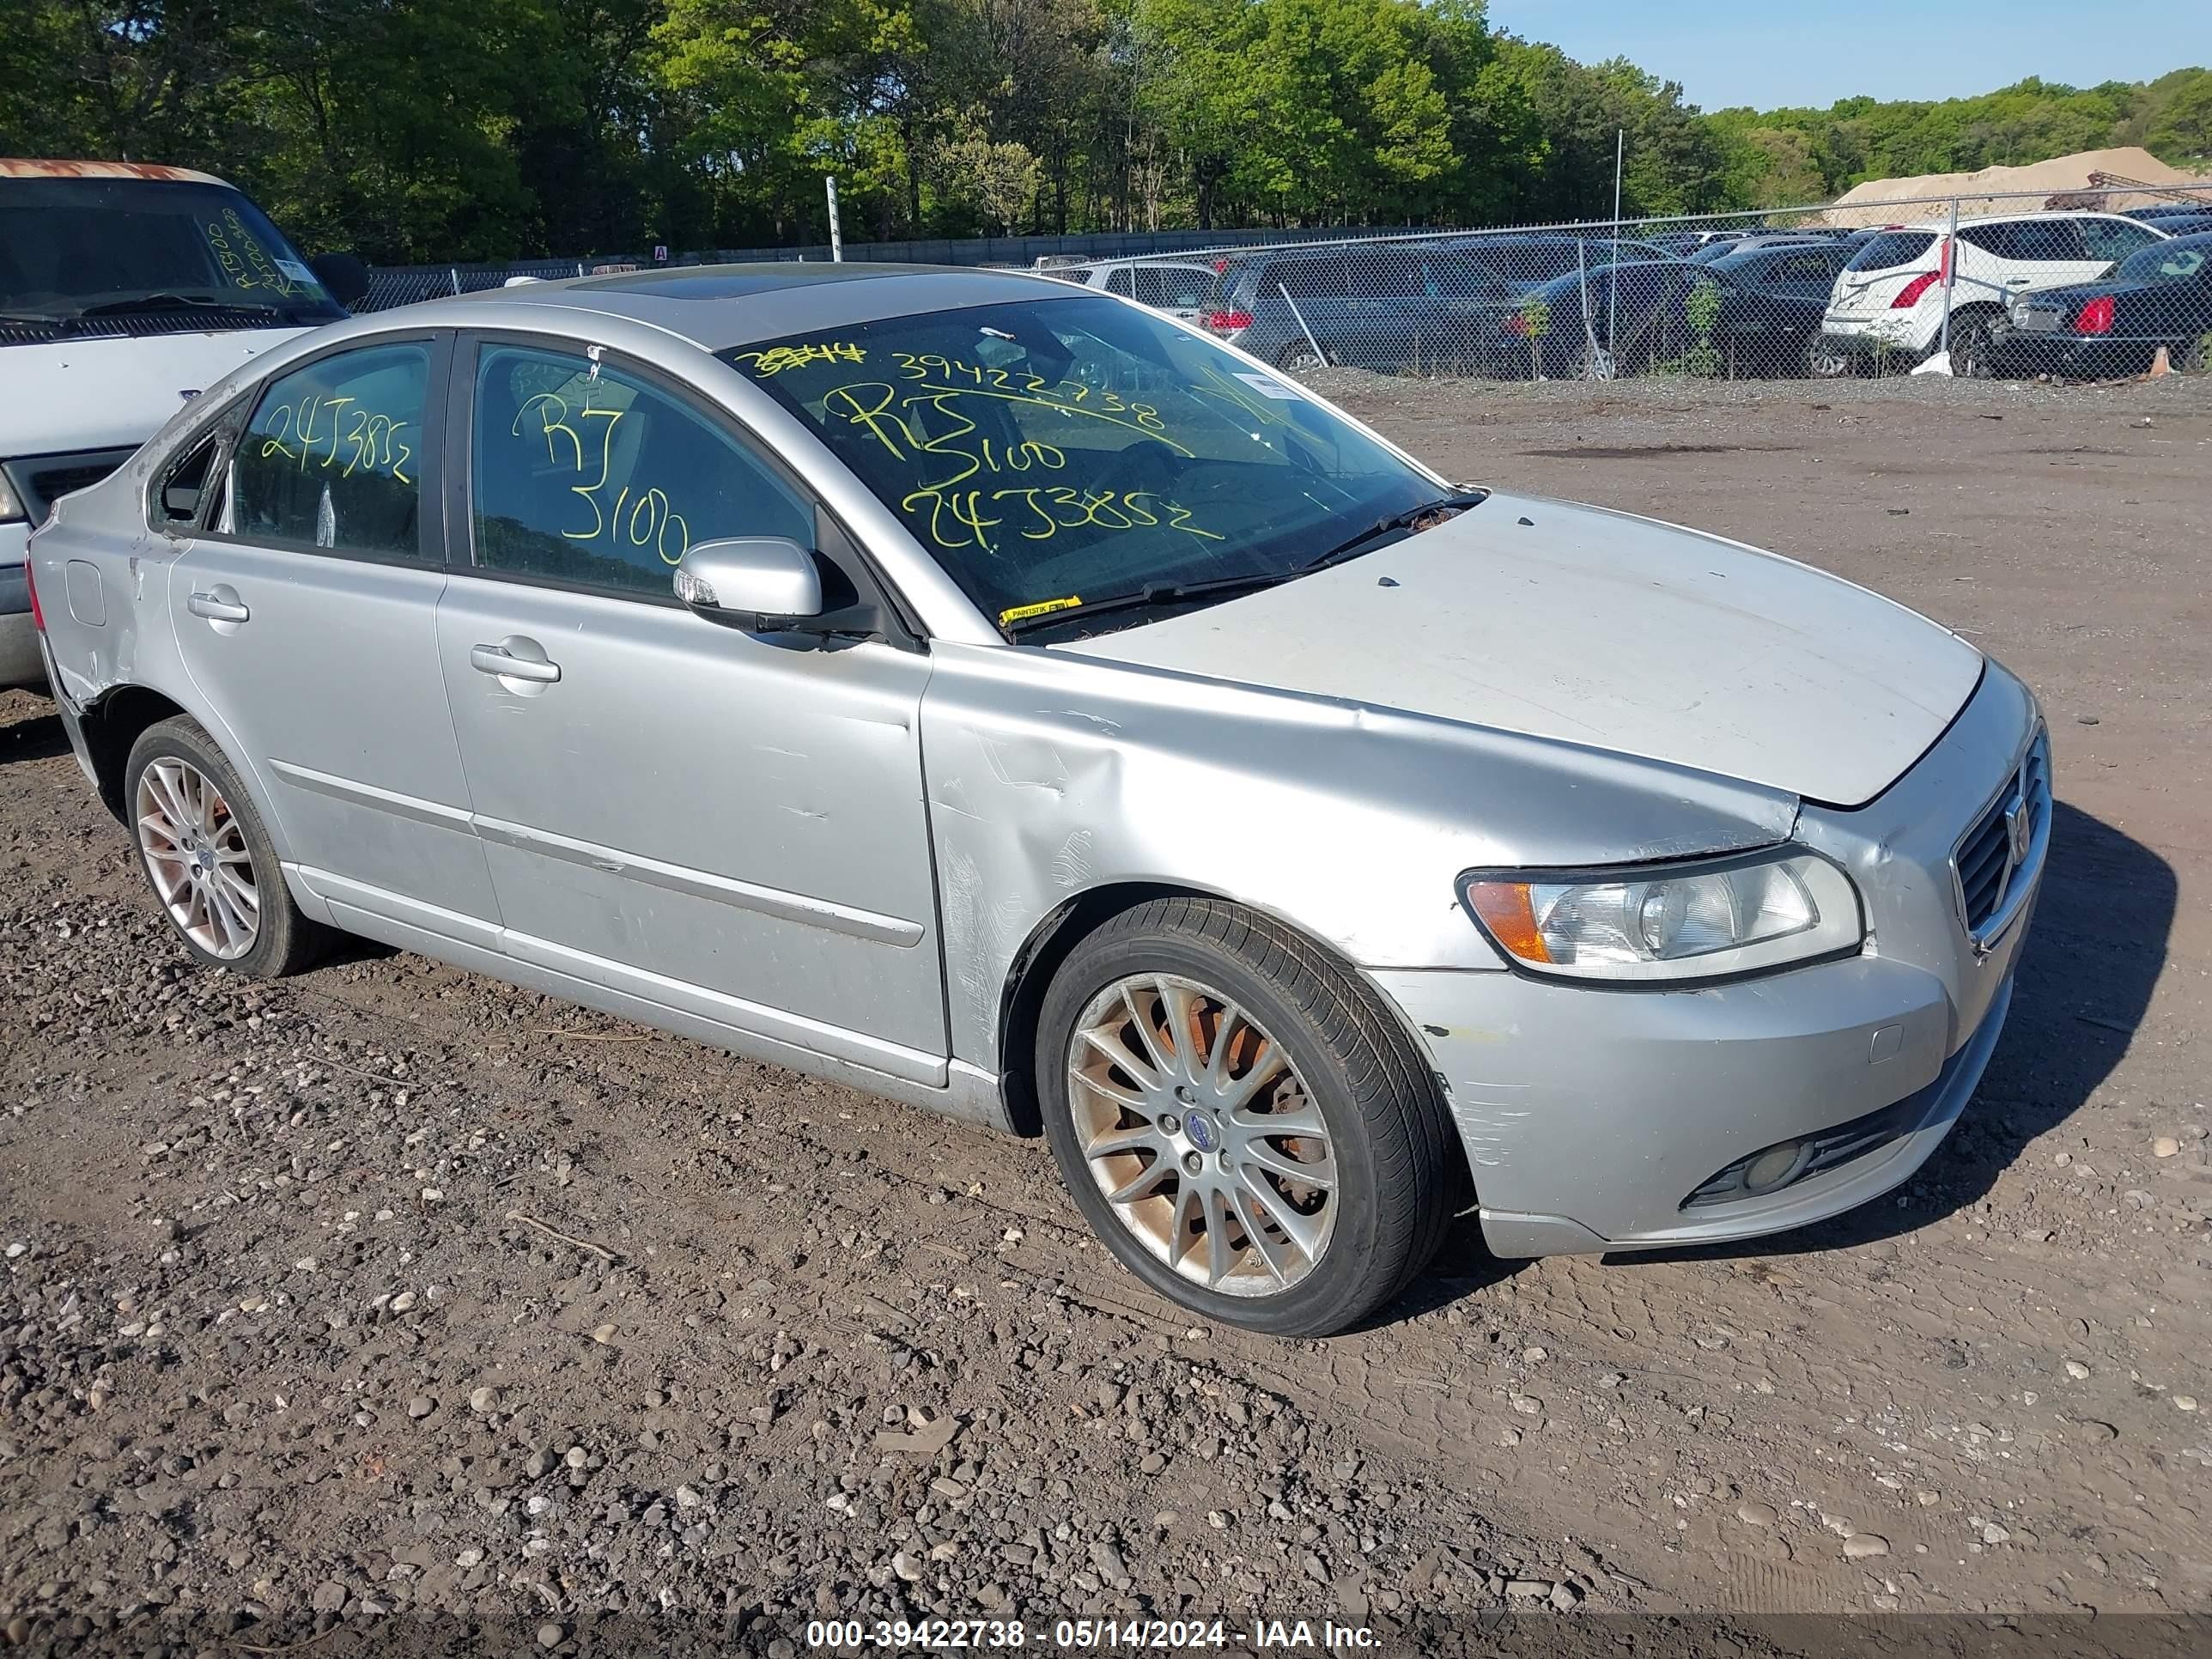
{"points": [[2166, 262], [118, 248], [1056, 452]]}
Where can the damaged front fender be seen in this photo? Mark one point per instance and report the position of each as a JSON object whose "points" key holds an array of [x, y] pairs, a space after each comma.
{"points": [[1051, 774]]}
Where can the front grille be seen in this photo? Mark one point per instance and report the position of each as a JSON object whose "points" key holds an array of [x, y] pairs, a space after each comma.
{"points": [[41, 480], [1993, 858], [53, 482]]}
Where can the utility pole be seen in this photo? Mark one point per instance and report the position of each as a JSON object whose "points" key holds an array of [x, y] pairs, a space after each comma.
{"points": [[1613, 272]]}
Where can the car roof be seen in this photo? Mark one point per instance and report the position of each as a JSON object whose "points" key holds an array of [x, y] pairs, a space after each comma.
{"points": [[22, 168], [1736, 258], [2008, 218], [1145, 260], [717, 306]]}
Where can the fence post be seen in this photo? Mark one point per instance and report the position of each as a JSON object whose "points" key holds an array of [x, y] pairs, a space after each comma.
{"points": [[1321, 358], [454, 271], [1950, 275]]}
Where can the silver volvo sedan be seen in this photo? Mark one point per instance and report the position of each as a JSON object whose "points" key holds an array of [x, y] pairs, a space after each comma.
{"points": [[1005, 698]]}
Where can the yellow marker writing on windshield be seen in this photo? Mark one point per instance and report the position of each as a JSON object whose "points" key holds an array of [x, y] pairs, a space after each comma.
{"points": [[1040, 609]]}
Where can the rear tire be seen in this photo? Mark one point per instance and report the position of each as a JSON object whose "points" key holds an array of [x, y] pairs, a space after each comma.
{"points": [[1241, 1120], [213, 869], [1298, 358], [1973, 352]]}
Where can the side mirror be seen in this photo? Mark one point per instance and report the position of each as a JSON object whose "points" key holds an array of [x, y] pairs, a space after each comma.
{"points": [[761, 584], [342, 274]]}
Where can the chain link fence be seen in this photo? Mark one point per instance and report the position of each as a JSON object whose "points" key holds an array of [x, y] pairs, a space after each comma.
{"points": [[2090, 285]]}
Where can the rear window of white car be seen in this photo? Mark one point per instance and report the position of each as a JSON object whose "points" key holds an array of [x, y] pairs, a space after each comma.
{"points": [[1890, 248], [1177, 288]]}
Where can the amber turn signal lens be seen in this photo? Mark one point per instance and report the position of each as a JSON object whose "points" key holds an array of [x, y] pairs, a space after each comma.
{"points": [[1504, 910]]}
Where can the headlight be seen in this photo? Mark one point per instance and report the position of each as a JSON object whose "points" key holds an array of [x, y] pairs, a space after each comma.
{"points": [[1670, 922]]}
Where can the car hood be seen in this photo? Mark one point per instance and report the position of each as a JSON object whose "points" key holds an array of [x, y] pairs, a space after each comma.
{"points": [[1603, 630], [113, 394]]}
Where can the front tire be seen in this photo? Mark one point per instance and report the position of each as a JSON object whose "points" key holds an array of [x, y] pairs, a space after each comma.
{"points": [[210, 860], [1826, 361], [1240, 1119]]}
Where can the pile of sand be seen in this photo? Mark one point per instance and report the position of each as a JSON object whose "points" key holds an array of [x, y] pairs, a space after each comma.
{"points": [[2059, 183]]}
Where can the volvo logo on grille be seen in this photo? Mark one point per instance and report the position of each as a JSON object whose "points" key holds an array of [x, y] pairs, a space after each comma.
{"points": [[2017, 831]]}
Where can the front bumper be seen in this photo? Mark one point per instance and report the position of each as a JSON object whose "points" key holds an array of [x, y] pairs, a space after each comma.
{"points": [[1592, 1118]]}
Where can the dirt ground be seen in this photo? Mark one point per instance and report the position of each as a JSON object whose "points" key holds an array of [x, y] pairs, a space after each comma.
{"points": [[390, 1289]]}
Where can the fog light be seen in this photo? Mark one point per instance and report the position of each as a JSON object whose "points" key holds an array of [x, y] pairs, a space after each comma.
{"points": [[1772, 1167]]}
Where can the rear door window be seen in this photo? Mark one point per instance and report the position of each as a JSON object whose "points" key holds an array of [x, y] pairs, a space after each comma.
{"points": [[333, 456], [2029, 241], [1177, 288], [1804, 273], [592, 475]]}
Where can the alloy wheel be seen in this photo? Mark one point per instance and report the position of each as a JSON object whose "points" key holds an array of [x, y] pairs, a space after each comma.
{"points": [[195, 852], [1827, 362], [1972, 351], [1197, 1128]]}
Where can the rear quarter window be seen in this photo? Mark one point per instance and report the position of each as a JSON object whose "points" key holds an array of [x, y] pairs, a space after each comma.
{"points": [[1890, 248]]}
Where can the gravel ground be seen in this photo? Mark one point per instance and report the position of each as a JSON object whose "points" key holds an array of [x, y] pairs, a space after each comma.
{"points": [[391, 1290]]}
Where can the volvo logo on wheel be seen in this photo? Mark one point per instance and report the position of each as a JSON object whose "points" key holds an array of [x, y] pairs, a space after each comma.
{"points": [[1201, 1130]]}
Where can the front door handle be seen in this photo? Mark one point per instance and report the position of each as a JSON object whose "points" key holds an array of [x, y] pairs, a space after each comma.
{"points": [[498, 660], [216, 609]]}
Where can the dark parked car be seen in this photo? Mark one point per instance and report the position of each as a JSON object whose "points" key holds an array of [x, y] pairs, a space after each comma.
{"points": [[2181, 221], [1392, 305], [2165, 213], [2160, 296], [1754, 311]]}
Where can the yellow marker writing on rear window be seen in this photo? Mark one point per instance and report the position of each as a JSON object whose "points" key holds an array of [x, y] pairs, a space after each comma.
{"points": [[1039, 609]]}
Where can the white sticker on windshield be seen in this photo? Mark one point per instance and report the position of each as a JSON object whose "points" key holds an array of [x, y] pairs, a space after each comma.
{"points": [[295, 270], [1268, 387]]}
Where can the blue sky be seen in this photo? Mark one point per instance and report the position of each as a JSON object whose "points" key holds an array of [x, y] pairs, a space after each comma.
{"points": [[1774, 52]]}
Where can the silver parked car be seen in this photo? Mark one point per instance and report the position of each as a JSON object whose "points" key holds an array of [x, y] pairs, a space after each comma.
{"points": [[1005, 698]]}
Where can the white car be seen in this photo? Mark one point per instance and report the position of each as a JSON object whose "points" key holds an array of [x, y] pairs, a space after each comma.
{"points": [[1180, 287], [1888, 301], [124, 288]]}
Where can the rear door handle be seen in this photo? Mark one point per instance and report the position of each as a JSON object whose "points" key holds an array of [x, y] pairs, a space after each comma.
{"points": [[217, 610], [498, 660]]}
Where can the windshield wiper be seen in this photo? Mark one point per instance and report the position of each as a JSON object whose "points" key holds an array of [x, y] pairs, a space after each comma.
{"points": [[1152, 594], [1409, 520], [172, 302], [1161, 594]]}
